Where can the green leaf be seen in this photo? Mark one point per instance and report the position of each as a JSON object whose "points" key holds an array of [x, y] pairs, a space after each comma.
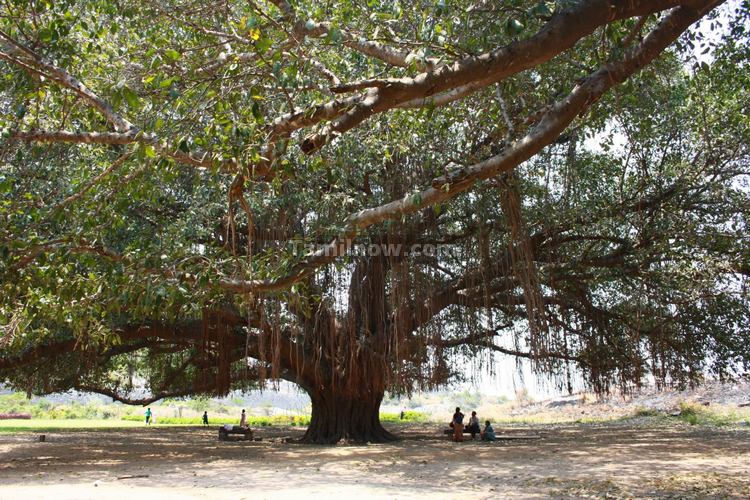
{"points": [[46, 35], [6, 185], [172, 55], [257, 113], [130, 96], [513, 26], [167, 82], [263, 44], [335, 35], [542, 9]]}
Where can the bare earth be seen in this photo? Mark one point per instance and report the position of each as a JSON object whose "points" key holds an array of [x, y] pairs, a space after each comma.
{"points": [[612, 460]]}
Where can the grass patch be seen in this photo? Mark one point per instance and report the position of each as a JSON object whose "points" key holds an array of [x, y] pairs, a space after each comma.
{"points": [[280, 420], [133, 421], [549, 418], [49, 425], [697, 414], [645, 412], [693, 413], [252, 421]]}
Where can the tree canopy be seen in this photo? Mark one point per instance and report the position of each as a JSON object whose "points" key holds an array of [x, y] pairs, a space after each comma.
{"points": [[201, 196]]}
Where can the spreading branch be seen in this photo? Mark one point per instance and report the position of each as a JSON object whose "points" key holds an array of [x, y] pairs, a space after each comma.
{"points": [[560, 33], [144, 401], [550, 127]]}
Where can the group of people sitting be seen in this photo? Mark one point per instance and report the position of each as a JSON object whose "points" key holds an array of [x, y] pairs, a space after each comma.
{"points": [[457, 423]]}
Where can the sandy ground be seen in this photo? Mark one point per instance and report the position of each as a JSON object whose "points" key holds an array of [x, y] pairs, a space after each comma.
{"points": [[613, 460]]}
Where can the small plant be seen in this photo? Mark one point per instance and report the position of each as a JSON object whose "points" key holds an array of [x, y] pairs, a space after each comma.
{"points": [[689, 408], [642, 411], [697, 414], [409, 416]]}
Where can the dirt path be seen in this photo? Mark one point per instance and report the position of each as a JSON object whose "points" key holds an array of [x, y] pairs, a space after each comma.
{"points": [[614, 460]]}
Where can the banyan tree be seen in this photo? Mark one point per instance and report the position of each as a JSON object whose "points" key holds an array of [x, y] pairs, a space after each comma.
{"points": [[198, 197]]}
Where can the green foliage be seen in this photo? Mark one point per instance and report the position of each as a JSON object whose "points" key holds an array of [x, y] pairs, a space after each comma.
{"points": [[637, 214], [17, 403], [40, 408], [466, 399], [645, 412], [697, 414], [409, 417]]}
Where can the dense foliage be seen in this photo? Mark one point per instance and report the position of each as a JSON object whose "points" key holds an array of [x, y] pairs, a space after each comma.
{"points": [[166, 168]]}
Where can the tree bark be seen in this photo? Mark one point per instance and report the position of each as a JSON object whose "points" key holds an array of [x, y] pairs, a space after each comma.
{"points": [[337, 416]]}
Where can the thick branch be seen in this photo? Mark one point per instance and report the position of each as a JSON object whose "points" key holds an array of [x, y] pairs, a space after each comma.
{"points": [[125, 132], [31, 61], [553, 123], [528, 355], [484, 340], [112, 393], [564, 29]]}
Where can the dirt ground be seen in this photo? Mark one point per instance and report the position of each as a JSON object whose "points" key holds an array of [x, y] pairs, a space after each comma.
{"points": [[612, 460]]}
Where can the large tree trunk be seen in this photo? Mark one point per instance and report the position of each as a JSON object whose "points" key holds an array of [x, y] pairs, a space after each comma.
{"points": [[337, 416], [347, 379]]}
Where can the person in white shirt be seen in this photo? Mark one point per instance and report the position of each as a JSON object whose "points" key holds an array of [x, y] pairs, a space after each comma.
{"points": [[473, 426]]}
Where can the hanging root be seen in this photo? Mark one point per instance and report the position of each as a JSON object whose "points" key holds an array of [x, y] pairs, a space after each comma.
{"points": [[523, 264]]}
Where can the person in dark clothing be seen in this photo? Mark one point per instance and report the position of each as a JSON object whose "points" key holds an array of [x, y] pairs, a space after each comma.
{"points": [[205, 418], [473, 426]]}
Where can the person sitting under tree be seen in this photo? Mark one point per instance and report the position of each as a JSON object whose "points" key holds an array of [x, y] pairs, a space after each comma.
{"points": [[488, 434], [458, 425], [473, 427], [205, 418]]}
